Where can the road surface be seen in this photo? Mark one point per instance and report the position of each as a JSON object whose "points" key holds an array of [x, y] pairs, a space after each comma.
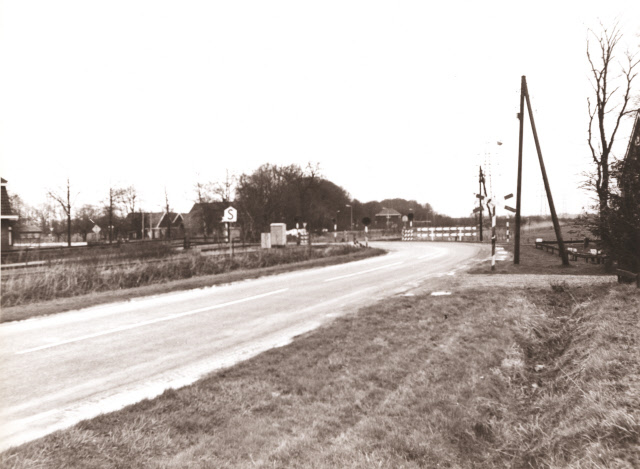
{"points": [[60, 369]]}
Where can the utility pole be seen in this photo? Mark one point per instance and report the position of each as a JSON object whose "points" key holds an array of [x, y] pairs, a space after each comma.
{"points": [[552, 208], [481, 180], [516, 247], [493, 235]]}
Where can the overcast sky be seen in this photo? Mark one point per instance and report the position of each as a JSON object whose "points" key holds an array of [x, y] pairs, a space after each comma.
{"points": [[392, 99]]}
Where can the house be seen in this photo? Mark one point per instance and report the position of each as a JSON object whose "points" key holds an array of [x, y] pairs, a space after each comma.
{"points": [[170, 223], [631, 161], [389, 217], [30, 234], [7, 216], [204, 219], [153, 225]]}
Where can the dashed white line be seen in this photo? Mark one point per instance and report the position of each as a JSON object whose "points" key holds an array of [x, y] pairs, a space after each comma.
{"points": [[363, 272], [150, 321], [433, 256]]}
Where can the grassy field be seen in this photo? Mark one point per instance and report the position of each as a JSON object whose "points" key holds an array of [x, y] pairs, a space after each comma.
{"points": [[546, 377], [68, 287], [536, 261]]}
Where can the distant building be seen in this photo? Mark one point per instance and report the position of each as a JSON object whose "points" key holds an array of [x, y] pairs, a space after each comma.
{"points": [[153, 225], [204, 219], [7, 216], [30, 234], [388, 217]]}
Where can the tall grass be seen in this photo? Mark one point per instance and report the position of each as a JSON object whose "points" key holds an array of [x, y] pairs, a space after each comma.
{"points": [[97, 275], [523, 379]]}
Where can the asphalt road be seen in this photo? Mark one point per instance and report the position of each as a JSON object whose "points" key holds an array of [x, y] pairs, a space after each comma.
{"points": [[60, 369]]}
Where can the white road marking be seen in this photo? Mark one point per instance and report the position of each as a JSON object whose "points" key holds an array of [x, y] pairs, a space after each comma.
{"points": [[432, 256], [150, 321], [363, 272]]}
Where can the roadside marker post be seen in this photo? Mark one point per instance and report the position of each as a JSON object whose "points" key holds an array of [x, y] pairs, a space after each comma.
{"points": [[366, 221], [230, 216]]}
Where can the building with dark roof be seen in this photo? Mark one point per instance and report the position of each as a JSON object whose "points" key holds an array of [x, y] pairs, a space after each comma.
{"points": [[7, 216], [154, 225], [389, 217], [631, 161], [204, 219]]}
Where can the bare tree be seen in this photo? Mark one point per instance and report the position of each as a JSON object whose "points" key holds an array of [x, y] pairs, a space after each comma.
{"points": [[226, 189], [204, 194], [112, 203], [130, 198], [168, 209], [612, 85], [65, 202]]}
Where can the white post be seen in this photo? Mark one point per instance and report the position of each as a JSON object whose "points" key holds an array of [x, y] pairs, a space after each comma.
{"points": [[493, 241], [366, 237]]}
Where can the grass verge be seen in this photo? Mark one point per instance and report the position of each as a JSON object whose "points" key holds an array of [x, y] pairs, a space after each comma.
{"points": [[536, 261], [66, 288], [528, 378]]}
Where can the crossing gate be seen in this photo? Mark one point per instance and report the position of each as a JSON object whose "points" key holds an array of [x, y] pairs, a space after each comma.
{"points": [[407, 234], [441, 233]]}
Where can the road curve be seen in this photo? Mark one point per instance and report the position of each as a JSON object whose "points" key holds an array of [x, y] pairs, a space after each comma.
{"points": [[60, 369]]}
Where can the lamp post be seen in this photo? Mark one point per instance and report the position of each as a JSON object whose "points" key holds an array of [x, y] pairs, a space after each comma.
{"points": [[350, 226]]}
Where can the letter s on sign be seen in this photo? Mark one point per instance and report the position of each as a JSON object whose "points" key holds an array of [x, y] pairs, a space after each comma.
{"points": [[230, 215]]}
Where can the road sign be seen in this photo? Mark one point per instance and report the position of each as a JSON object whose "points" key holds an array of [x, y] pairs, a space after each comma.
{"points": [[230, 215], [405, 218], [96, 229], [506, 207]]}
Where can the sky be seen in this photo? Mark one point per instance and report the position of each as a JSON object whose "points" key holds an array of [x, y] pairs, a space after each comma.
{"points": [[392, 99]]}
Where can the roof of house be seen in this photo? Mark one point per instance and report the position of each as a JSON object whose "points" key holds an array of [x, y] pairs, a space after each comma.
{"points": [[204, 206], [173, 216], [5, 203], [150, 218], [31, 228], [633, 148], [388, 212]]}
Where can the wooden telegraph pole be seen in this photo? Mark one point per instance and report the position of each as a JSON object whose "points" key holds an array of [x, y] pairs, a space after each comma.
{"points": [[524, 94], [480, 181], [516, 241]]}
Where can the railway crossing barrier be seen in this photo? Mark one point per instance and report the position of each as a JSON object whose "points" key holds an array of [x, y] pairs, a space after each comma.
{"points": [[441, 233]]}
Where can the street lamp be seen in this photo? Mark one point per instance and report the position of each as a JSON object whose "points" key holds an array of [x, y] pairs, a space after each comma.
{"points": [[351, 226]]}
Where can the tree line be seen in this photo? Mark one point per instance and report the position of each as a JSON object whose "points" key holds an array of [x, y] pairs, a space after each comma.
{"points": [[288, 194]]}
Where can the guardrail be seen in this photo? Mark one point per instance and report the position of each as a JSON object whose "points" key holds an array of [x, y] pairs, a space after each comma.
{"points": [[594, 255], [624, 276]]}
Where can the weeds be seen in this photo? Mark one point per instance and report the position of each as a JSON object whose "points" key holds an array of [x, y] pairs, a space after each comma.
{"points": [[98, 275]]}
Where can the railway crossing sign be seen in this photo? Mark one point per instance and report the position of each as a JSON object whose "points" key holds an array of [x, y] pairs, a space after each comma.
{"points": [[230, 215]]}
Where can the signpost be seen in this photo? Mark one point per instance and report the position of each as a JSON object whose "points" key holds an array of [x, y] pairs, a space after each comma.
{"points": [[229, 216], [366, 221]]}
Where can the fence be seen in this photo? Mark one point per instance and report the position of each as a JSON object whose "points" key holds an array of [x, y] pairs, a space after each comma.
{"points": [[441, 233], [596, 256]]}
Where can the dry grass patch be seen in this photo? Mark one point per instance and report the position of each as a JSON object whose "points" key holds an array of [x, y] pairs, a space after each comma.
{"points": [[71, 280], [530, 378]]}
